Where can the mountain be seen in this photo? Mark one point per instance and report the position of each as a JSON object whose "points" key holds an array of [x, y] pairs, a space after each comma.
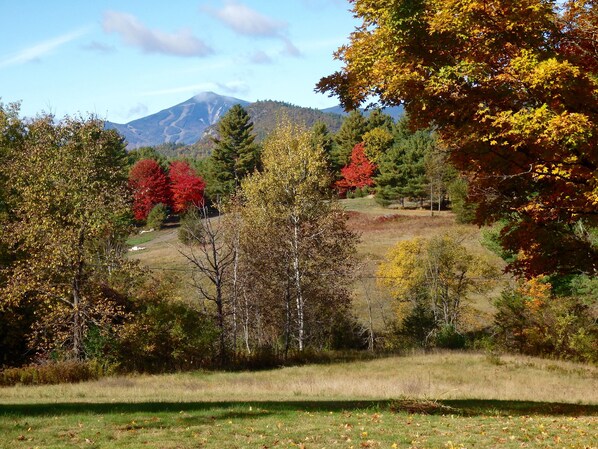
{"points": [[186, 129], [264, 115], [396, 112], [184, 123]]}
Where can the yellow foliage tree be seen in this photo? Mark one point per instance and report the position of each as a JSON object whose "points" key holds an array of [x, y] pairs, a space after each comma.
{"points": [[438, 274], [511, 86]]}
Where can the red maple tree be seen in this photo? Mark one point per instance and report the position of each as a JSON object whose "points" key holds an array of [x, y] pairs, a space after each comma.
{"points": [[187, 188], [358, 173], [150, 185]]}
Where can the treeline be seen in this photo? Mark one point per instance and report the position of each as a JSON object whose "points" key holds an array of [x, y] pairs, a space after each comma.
{"points": [[271, 268]]}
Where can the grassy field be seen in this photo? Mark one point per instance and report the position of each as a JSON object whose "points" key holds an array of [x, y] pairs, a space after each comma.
{"points": [[444, 400]]}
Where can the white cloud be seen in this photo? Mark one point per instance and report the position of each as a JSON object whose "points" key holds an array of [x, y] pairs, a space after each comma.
{"points": [[139, 110], [290, 49], [36, 51], [136, 34], [248, 22], [230, 87]]}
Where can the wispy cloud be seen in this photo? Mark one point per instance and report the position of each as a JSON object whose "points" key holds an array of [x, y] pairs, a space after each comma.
{"points": [[136, 34], [41, 49], [139, 110], [230, 87], [248, 22], [98, 47], [260, 57]]}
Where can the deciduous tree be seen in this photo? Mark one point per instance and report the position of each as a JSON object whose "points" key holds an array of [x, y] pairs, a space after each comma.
{"points": [[187, 188], [150, 186], [70, 193], [359, 173], [304, 234], [512, 89]]}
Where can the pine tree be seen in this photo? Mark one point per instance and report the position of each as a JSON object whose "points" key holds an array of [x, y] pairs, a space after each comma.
{"points": [[350, 134], [236, 154]]}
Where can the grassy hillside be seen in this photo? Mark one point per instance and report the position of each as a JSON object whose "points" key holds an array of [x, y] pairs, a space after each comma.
{"points": [[380, 228], [444, 400]]}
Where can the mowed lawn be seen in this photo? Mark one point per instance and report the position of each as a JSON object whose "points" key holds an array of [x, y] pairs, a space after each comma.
{"points": [[444, 400]]}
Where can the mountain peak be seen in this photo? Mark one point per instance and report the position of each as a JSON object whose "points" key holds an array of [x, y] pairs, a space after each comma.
{"points": [[205, 97]]}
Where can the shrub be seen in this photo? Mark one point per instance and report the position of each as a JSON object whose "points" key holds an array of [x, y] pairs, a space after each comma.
{"points": [[54, 373], [166, 335], [191, 230], [542, 324], [157, 216], [447, 337]]}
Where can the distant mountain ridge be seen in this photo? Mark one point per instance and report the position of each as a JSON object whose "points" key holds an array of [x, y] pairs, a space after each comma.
{"points": [[396, 112], [183, 123], [192, 122]]}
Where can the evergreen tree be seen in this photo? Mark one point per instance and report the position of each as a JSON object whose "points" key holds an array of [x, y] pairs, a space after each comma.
{"points": [[321, 138], [236, 154], [350, 134], [402, 169]]}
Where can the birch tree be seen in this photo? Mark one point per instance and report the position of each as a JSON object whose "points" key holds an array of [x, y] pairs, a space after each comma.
{"points": [[289, 200]]}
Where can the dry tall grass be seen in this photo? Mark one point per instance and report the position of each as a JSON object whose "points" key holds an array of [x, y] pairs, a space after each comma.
{"points": [[436, 376]]}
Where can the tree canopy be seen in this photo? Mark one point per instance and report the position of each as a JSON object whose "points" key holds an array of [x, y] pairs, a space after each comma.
{"points": [[512, 89]]}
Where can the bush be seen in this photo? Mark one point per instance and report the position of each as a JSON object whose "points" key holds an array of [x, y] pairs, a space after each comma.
{"points": [[191, 230], [157, 216], [549, 326], [166, 335], [447, 337], [54, 373]]}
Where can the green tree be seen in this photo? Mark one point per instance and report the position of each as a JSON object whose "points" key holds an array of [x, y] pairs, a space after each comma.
{"points": [[302, 231], [70, 194], [235, 154], [322, 138], [350, 134], [402, 171]]}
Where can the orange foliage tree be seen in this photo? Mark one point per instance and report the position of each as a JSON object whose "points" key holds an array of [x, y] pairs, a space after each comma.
{"points": [[512, 88], [358, 173]]}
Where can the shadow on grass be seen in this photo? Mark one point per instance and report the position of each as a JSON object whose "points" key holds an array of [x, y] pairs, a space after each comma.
{"points": [[252, 409]]}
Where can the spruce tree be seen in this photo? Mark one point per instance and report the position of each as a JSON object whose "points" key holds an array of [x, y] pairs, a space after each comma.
{"points": [[236, 153], [350, 134]]}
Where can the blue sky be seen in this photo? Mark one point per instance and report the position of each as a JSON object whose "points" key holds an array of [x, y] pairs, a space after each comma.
{"points": [[123, 60]]}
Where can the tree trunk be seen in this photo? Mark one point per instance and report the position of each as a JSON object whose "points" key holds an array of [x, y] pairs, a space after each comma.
{"points": [[298, 286]]}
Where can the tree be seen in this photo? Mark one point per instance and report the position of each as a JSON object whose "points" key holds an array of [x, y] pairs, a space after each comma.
{"points": [[303, 236], [212, 258], [359, 173], [402, 168], [70, 195], [321, 138], [235, 154], [512, 89], [350, 134], [150, 187], [187, 188], [436, 275]]}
